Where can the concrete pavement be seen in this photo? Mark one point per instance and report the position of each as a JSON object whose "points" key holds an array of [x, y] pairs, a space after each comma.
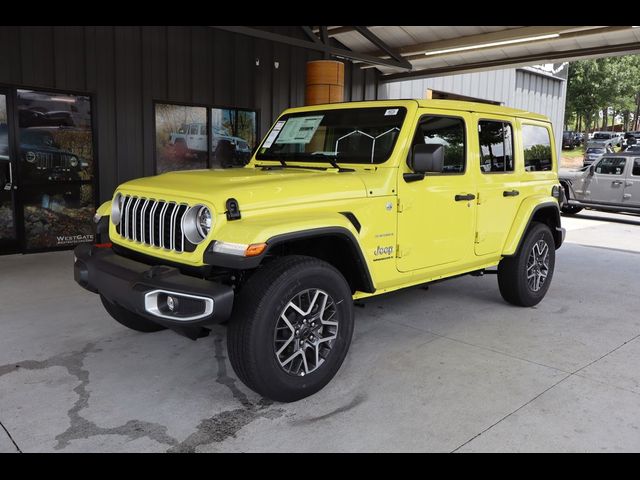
{"points": [[451, 368]]}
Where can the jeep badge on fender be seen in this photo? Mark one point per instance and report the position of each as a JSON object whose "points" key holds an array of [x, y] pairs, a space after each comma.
{"points": [[281, 247]]}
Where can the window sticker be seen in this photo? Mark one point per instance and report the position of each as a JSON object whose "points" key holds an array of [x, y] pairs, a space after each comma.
{"points": [[299, 130], [391, 111], [274, 133]]}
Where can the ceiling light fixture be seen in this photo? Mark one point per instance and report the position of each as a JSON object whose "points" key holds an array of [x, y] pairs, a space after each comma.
{"points": [[493, 44]]}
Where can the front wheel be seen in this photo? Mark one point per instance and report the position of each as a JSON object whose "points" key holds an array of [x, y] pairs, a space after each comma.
{"points": [[292, 328], [525, 278]]}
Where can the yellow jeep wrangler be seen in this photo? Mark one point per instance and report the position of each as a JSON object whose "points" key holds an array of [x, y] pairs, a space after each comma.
{"points": [[339, 202]]}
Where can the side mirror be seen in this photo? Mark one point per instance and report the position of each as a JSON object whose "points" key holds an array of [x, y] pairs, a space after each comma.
{"points": [[427, 158], [592, 168]]}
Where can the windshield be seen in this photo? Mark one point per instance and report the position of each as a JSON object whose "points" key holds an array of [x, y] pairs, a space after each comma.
{"points": [[602, 136], [354, 135]]}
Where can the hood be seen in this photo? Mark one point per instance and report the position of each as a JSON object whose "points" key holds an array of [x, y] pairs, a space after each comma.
{"points": [[253, 188], [571, 173]]}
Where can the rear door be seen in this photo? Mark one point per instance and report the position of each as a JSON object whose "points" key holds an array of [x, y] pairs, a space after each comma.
{"points": [[498, 182], [606, 184], [631, 195]]}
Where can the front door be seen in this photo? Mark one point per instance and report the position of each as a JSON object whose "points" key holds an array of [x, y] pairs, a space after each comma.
{"points": [[498, 184], [631, 194], [8, 186], [436, 214], [606, 184]]}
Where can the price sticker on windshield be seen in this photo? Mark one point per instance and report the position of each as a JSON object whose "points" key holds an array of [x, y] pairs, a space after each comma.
{"points": [[391, 111], [299, 130], [274, 134]]}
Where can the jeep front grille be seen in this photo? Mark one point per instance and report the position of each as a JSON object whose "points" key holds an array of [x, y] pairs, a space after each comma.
{"points": [[155, 223]]}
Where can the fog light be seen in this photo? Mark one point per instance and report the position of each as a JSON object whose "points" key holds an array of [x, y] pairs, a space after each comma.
{"points": [[172, 303]]}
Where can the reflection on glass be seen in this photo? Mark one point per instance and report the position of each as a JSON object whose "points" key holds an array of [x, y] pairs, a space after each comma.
{"points": [[58, 217], [181, 138], [233, 137]]}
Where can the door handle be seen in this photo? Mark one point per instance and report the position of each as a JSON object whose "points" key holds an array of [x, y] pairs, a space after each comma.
{"points": [[510, 193], [628, 184], [616, 182], [465, 198]]}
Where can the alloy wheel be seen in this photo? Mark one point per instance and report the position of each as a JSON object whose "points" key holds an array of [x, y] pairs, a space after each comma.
{"points": [[538, 265]]}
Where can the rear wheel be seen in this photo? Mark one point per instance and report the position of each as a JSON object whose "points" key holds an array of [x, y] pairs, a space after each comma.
{"points": [[292, 328], [128, 318], [525, 278]]}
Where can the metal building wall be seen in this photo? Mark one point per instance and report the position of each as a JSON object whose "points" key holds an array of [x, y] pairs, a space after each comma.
{"points": [[511, 87], [126, 68]]}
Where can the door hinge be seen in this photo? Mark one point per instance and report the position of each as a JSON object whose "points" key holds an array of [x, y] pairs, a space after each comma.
{"points": [[400, 206], [400, 253], [478, 201], [477, 239]]}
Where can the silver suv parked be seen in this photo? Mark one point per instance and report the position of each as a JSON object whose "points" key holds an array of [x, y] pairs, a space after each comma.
{"points": [[610, 184]]}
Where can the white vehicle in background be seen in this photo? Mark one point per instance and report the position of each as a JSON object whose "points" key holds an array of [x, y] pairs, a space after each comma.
{"points": [[228, 150], [190, 139]]}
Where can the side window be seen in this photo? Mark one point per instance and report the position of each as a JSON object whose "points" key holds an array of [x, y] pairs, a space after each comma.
{"points": [[636, 168], [446, 131], [496, 146], [611, 166], [537, 148], [193, 130]]}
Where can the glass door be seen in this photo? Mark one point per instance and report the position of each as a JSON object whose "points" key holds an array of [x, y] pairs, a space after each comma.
{"points": [[8, 186]]}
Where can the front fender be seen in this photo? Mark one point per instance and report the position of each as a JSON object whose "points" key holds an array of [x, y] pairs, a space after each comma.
{"points": [[523, 218]]}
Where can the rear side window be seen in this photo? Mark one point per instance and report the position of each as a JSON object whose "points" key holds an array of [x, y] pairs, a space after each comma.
{"points": [[537, 148], [636, 167], [448, 132], [611, 166], [496, 146]]}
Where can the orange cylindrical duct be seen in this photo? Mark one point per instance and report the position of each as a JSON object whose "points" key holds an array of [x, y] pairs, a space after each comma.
{"points": [[325, 82]]}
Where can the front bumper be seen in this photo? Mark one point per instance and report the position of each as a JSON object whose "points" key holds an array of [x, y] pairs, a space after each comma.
{"points": [[144, 289]]}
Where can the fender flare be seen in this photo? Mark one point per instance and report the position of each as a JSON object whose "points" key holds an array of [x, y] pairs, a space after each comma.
{"points": [[511, 246], [245, 263]]}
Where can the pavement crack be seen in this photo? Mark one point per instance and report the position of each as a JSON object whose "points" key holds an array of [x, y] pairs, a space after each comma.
{"points": [[227, 423], [80, 427], [10, 437]]}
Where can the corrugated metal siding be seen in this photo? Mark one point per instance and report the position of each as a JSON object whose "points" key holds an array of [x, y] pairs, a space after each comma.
{"points": [[511, 87], [125, 68]]}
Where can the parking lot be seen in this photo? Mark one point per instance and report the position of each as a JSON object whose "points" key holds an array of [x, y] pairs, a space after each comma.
{"points": [[449, 368]]}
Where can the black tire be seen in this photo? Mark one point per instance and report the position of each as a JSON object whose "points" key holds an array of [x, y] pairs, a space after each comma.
{"points": [[130, 319], [514, 285], [251, 334], [570, 209]]}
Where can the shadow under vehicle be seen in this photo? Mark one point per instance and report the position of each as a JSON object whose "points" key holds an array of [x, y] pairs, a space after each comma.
{"points": [[44, 162], [611, 184]]}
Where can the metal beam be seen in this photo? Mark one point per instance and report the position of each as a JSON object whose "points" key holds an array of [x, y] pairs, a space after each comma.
{"points": [[310, 34], [566, 55], [296, 42], [378, 42]]}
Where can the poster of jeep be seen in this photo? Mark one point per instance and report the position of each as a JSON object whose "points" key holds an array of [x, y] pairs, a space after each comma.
{"points": [[56, 167], [6, 202], [182, 137]]}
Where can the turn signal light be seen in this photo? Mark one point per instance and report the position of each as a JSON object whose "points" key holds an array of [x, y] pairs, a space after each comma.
{"points": [[255, 249]]}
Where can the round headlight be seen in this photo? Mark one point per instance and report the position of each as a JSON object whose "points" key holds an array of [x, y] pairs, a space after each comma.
{"points": [[73, 161], [116, 209], [30, 157], [204, 221], [197, 223]]}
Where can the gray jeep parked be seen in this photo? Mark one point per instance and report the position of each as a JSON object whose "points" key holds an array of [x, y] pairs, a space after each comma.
{"points": [[610, 184]]}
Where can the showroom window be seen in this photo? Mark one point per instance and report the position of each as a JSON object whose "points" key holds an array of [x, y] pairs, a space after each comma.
{"points": [[496, 146], [448, 132], [537, 148], [193, 137], [611, 166]]}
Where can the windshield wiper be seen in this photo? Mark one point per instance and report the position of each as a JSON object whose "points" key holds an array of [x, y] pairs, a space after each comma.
{"points": [[331, 159]]}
